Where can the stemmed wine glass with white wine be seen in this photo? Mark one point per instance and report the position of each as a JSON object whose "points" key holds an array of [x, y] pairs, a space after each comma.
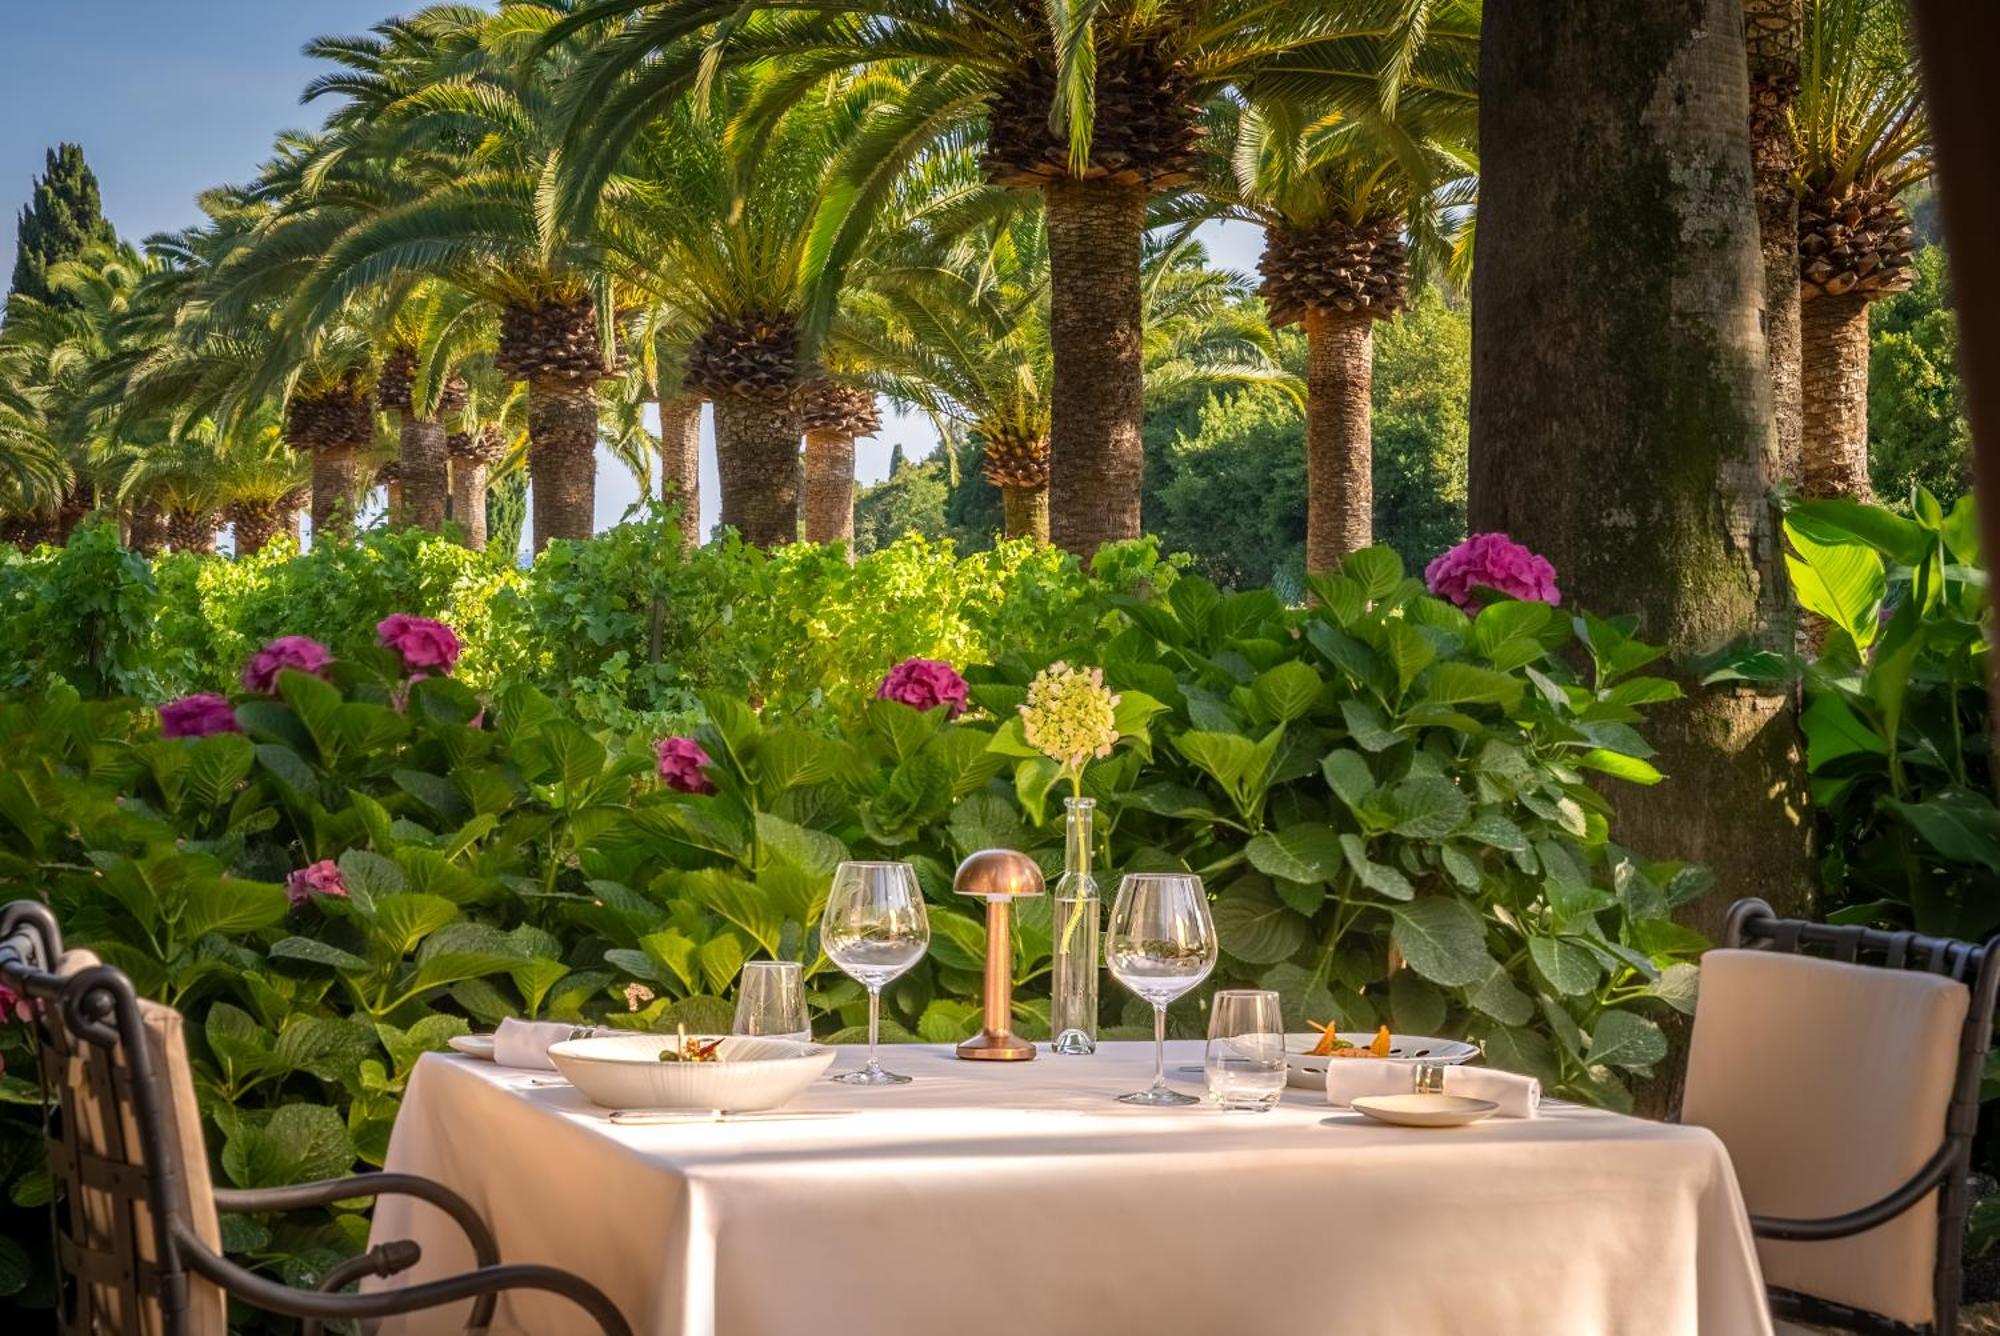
{"points": [[1161, 943], [874, 929]]}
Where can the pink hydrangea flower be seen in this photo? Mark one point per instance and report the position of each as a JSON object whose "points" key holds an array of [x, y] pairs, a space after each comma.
{"points": [[197, 716], [321, 878], [683, 765], [423, 643], [1494, 561], [301, 653], [925, 684], [13, 1007]]}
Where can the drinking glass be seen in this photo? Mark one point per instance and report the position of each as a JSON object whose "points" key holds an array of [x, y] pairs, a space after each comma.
{"points": [[1160, 944], [771, 1001], [874, 928], [1245, 1059]]}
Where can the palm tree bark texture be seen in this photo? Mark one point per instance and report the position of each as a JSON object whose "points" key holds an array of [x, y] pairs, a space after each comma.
{"points": [[829, 508], [562, 458], [1773, 32], [424, 472], [1097, 399], [255, 524], [757, 449], [1025, 512], [680, 460], [1621, 402], [471, 457], [1834, 339], [1340, 374], [335, 480]]}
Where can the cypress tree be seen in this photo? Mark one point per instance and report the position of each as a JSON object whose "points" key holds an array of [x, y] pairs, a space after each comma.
{"points": [[61, 218]]}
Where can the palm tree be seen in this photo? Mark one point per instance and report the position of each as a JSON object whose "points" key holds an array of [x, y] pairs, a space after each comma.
{"points": [[1773, 33], [207, 473], [833, 414], [1862, 140], [1095, 107], [1337, 194], [419, 382], [964, 337], [465, 97]]}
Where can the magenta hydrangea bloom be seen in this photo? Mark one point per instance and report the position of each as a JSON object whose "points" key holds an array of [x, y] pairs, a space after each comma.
{"points": [[925, 684], [301, 653], [198, 716], [423, 643], [683, 765], [1492, 561], [321, 878]]}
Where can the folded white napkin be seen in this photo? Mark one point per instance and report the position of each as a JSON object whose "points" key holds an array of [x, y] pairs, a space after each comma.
{"points": [[1349, 1078], [526, 1043]]}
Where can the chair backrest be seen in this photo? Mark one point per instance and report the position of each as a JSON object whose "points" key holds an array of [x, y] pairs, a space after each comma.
{"points": [[124, 1139], [1837, 1064]]}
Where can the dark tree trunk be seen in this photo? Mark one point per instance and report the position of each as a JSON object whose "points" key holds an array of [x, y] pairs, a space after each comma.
{"points": [[335, 479], [148, 531], [1773, 31], [829, 507], [1026, 512], [562, 458], [191, 530], [1621, 408], [468, 501], [256, 523], [1834, 347], [680, 460], [1097, 400], [423, 472], [757, 455], [1340, 487]]}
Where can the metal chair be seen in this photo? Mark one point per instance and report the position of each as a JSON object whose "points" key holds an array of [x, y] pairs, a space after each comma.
{"points": [[136, 1219], [1753, 926]]}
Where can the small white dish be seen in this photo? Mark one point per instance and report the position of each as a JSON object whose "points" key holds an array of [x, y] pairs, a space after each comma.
{"points": [[1424, 1110], [1305, 1072], [473, 1045], [625, 1072]]}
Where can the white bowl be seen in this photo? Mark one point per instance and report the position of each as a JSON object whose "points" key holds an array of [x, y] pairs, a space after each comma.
{"points": [[625, 1072], [1305, 1072]]}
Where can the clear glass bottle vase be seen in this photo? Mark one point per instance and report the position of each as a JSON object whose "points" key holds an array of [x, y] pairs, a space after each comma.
{"points": [[1078, 912]]}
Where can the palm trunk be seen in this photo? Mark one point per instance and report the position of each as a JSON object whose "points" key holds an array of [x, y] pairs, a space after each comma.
{"points": [[191, 530], [1773, 31], [1340, 486], [423, 468], [757, 454], [1097, 399], [680, 460], [830, 488], [148, 532], [1834, 348], [468, 501], [256, 524], [335, 477], [1621, 409], [1026, 512], [562, 459]]}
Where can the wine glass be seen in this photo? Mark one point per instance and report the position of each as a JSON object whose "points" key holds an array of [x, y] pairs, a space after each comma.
{"points": [[1161, 943], [771, 1001], [1245, 1059], [874, 928]]}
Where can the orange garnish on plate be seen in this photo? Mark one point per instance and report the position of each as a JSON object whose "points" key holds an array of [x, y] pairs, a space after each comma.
{"points": [[1329, 1043], [1380, 1047]]}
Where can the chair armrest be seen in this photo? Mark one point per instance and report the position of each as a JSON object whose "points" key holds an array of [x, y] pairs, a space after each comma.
{"points": [[300, 1195], [276, 1297], [1863, 1218]]}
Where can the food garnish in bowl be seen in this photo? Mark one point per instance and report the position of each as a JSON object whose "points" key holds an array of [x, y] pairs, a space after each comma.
{"points": [[1331, 1045], [690, 1050]]}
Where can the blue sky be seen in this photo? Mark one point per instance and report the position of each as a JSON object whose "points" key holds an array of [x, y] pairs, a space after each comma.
{"points": [[168, 99]]}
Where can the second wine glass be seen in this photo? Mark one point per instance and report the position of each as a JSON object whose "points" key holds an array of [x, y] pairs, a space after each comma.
{"points": [[874, 929], [1161, 943]]}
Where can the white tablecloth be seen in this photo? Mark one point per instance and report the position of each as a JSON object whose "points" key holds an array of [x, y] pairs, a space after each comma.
{"points": [[1018, 1198]]}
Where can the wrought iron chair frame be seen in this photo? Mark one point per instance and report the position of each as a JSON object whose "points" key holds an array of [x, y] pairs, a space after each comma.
{"points": [[96, 1006], [1754, 925]]}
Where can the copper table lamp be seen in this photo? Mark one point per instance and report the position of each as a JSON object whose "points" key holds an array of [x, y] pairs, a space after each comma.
{"points": [[998, 876]]}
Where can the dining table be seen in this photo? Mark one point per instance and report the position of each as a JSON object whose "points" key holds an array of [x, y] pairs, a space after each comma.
{"points": [[1020, 1198]]}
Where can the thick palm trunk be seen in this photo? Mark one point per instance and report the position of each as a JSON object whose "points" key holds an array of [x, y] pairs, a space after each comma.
{"points": [[1097, 399], [1340, 486], [562, 458], [829, 507], [1835, 362], [191, 530], [147, 533], [757, 455], [335, 479], [680, 460], [423, 471], [255, 523], [468, 501], [1025, 511], [1773, 31], [1621, 410]]}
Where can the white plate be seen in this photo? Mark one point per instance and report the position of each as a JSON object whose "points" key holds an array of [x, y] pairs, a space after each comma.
{"points": [[473, 1045], [1424, 1110], [625, 1072], [1309, 1073]]}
